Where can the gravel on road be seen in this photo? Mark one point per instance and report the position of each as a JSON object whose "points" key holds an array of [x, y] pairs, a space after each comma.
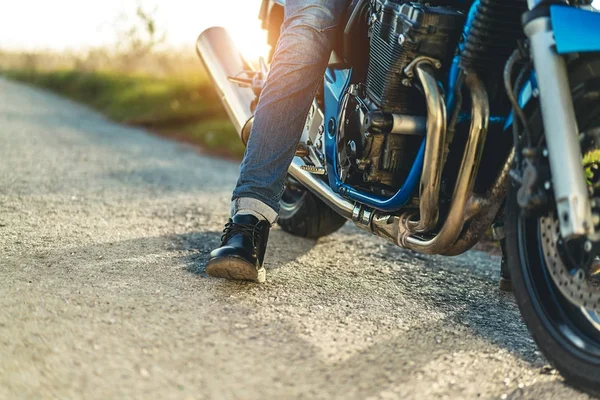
{"points": [[104, 232]]}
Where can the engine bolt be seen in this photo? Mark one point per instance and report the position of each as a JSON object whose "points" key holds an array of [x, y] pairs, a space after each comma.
{"points": [[595, 219], [401, 39], [406, 82], [547, 185], [587, 246], [535, 92], [545, 153]]}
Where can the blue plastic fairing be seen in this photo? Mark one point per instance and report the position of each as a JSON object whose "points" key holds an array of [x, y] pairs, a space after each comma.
{"points": [[575, 30]]}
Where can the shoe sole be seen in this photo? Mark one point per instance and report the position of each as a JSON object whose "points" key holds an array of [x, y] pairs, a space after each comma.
{"points": [[235, 269]]}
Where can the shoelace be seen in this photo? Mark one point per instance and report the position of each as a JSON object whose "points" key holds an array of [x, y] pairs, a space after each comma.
{"points": [[231, 229]]}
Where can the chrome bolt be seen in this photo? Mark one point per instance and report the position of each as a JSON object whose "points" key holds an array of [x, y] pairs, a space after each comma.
{"points": [[587, 246], [352, 146], [406, 82], [547, 185], [545, 153], [535, 92], [401, 39]]}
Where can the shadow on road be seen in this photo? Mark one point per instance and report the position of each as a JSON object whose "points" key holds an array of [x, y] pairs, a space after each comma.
{"points": [[469, 284], [467, 296]]}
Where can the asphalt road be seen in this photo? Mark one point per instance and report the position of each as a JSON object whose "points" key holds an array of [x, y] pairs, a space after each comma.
{"points": [[104, 232]]}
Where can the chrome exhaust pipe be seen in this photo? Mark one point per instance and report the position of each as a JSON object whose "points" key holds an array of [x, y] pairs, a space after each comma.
{"points": [[435, 147], [399, 229], [465, 182], [451, 238], [223, 61], [482, 210], [322, 190]]}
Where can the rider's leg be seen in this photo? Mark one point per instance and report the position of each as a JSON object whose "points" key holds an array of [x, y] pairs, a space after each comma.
{"points": [[298, 66], [297, 69]]}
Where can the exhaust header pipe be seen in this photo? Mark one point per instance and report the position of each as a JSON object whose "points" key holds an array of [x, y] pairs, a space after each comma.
{"points": [[222, 60]]}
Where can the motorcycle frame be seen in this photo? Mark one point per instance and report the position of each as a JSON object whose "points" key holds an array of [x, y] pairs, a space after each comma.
{"points": [[569, 183], [335, 85]]}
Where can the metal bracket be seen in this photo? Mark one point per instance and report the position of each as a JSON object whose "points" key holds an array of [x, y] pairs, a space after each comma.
{"points": [[313, 170], [409, 70], [255, 80]]}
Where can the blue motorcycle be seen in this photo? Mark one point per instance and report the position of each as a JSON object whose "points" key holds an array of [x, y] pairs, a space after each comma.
{"points": [[439, 119]]}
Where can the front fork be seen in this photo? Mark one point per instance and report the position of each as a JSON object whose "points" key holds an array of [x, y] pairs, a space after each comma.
{"points": [[561, 131]]}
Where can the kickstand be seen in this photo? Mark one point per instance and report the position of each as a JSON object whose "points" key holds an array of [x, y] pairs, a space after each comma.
{"points": [[505, 281]]}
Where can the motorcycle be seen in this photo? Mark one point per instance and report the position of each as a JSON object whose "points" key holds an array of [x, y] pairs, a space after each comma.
{"points": [[438, 119]]}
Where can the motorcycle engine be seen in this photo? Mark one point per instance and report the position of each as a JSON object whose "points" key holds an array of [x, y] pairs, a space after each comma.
{"points": [[400, 32]]}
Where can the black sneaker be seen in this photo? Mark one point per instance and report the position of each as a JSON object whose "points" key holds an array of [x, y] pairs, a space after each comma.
{"points": [[242, 250]]}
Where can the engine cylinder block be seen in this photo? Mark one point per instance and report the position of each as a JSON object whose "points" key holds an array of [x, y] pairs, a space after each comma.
{"points": [[400, 33]]}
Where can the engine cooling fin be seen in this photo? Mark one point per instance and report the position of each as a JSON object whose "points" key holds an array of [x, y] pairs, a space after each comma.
{"points": [[401, 32]]}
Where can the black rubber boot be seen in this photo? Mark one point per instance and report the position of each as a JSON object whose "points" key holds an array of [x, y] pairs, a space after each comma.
{"points": [[242, 250]]}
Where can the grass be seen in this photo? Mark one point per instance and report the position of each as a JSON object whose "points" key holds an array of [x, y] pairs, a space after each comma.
{"points": [[185, 108]]}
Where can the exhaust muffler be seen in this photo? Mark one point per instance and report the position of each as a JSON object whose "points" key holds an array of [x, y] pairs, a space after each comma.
{"points": [[223, 61]]}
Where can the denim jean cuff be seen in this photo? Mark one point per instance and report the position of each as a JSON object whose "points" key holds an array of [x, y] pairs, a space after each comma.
{"points": [[253, 206]]}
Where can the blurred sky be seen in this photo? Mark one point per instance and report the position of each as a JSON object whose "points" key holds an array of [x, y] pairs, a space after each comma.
{"points": [[81, 24]]}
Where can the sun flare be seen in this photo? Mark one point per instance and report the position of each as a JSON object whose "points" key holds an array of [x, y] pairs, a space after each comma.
{"points": [[250, 39]]}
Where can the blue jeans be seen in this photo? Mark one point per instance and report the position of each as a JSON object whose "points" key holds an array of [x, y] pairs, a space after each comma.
{"points": [[297, 70]]}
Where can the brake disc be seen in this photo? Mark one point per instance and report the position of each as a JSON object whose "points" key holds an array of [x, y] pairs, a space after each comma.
{"points": [[573, 285]]}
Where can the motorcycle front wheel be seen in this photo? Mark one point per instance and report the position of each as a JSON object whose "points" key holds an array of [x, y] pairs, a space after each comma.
{"points": [[568, 335]]}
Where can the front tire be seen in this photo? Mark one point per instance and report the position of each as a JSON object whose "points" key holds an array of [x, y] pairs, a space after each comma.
{"points": [[567, 335], [566, 338], [303, 214]]}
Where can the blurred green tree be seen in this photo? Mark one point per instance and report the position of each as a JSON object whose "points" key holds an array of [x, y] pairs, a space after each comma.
{"points": [[140, 38]]}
